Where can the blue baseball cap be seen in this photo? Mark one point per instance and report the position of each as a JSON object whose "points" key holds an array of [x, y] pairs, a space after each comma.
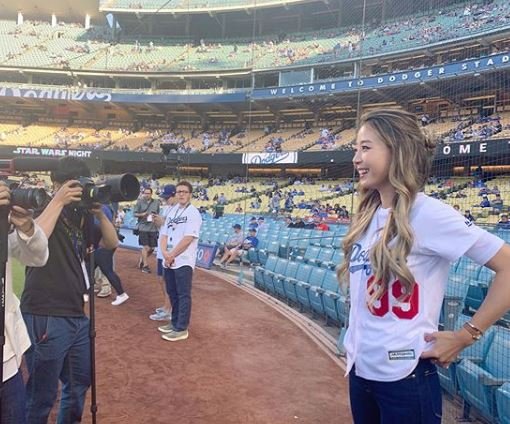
{"points": [[168, 191]]}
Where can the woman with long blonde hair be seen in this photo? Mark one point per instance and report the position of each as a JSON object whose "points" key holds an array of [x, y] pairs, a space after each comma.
{"points": [[398, 252]]}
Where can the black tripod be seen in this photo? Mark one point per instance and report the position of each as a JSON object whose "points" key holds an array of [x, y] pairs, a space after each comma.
{"points": [[4, 254], [89, 219]]}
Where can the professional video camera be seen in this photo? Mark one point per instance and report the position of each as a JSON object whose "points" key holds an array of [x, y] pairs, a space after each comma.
{"points": [[116, 188]]}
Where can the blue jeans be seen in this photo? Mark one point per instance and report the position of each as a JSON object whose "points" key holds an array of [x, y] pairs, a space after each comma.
{"points": [[103, 259], [13, 401], [178, 287], [60, 351], [416, 399]]}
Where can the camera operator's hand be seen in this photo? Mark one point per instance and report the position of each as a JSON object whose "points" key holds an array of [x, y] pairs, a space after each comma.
{"points": [[158, 220], [97, 210], [5, 194], [69, 192], [22, 220]]}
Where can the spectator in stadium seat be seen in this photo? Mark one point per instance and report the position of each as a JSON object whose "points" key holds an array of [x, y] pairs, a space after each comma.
{"points": [[253, 223], [468, 216], [485, 203], [239, 209], [261, 223], [399, 251], [232, 254], [497, 203], [504, 223], [233, 241], [145, 209], [322, 226]]}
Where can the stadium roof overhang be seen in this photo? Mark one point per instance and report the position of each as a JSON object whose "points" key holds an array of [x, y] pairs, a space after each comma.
{"points": [[65, 10]]}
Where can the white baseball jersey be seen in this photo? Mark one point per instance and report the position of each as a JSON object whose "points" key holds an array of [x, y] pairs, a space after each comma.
{"points": [[386, 343], [181, 222]]}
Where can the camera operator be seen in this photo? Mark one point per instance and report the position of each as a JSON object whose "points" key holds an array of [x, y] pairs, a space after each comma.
{"points": [[53, 299], [145, 209], [28, 244]]}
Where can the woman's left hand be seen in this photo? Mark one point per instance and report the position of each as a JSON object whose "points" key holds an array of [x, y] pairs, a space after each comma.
{"points": [[446, 346]]}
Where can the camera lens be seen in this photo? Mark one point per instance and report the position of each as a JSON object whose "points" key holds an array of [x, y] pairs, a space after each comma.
{"points": [[29, 198]]}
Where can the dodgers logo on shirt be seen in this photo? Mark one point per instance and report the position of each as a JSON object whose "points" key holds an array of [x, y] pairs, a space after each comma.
{"points": [[360, 260], [178, 220]]}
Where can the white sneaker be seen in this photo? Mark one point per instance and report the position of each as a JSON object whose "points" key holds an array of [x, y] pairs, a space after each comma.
{"points": [[119, 300]]}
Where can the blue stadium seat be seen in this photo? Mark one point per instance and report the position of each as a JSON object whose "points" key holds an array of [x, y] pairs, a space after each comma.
{"points": [[325, 255], [475, 295], [327, 239], [343, 307], [290, 273], [272, 247], [300, 248], [259, 270], [454, 300], [336, 260], [290, 284], [337, 242], [503, 403], [330, 296], [479, 382], [303, 289], [311, 254], [270, 276], [485, 275]]}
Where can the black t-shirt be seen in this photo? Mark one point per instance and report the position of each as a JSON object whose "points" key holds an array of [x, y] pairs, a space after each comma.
{"points": [[57, 288]]}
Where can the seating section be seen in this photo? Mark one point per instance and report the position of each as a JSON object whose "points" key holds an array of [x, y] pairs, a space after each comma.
{"points": [[37, 44]]}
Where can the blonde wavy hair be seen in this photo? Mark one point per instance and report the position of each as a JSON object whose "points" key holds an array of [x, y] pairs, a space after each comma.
{"points": [[411, 152]]}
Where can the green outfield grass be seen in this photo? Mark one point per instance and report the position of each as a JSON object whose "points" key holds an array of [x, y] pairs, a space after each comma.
{"points": [[18, 277]]}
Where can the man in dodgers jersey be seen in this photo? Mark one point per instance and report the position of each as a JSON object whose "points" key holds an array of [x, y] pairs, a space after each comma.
{"points": [[179, 242], [386, 342]]}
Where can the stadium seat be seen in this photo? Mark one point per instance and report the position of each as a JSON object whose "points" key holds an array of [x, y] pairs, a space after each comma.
{"points": [[343, 308], [325, 255], [272, 248], [336, 259], [290, 284], [454, 300], [290, 273], [330, 296], [303, 289], [269, 274], [311, 254], [479, 382], [503, 403], [269, 265], [475, 295]]}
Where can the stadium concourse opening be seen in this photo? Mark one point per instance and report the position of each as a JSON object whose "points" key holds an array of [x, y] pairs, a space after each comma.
{"points": [[257, 103]]}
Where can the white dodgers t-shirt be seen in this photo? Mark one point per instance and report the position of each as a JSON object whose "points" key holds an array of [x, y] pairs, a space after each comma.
{"points": [[181, 222], [385, 344]]}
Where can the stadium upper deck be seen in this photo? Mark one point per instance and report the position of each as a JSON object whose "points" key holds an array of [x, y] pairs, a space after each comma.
{"points": [[187, 6], [39, 45]]}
